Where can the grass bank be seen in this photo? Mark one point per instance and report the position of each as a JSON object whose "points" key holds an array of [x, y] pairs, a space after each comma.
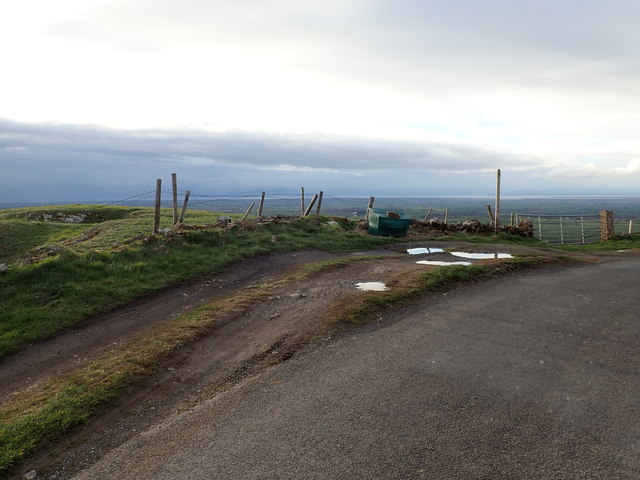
{"points": [[88, 269], [619, 242], [62, 403]]}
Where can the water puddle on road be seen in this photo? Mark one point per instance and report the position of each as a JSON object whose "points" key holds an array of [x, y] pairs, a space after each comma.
{"points": [[481, 256], [441, 264], [372, 286], [422, 251]]}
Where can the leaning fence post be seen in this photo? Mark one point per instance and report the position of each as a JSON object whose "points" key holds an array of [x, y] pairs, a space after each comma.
{"points": [[187, 194], [426, 217], [492, 219], [319, 202], [369, 205], [156, 216], [606, 225], [261, 205], [174, 188], [311, 203], [246, 214]]}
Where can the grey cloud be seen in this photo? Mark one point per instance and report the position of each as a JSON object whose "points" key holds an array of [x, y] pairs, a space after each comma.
{"points": [[421, 45], [83, 143]]}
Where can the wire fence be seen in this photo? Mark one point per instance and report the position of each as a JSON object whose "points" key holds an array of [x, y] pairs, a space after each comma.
{"points": [[551, 228]]}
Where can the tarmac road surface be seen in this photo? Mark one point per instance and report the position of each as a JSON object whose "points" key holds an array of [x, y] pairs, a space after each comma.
{"points": [[532, 376]]}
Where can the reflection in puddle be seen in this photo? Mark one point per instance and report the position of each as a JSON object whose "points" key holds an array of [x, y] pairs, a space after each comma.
{"points": [[372, 286], [420, 251], [442, 264], [481, 256]]}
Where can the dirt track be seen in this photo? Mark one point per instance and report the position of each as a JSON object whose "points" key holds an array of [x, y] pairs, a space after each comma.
{"points": [[265, 335], [76, 346]]}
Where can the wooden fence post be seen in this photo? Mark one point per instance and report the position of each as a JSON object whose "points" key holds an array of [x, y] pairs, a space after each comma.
{"points": [[513, 219], [174, 187], [497, 217], [301, 200], [187, 194], [246, 214], [492, 219], [319, 202], [369, 205], [311, 203], [426, 217], [261, 205], [446, 216], [539, 228], [156, 217], [630, 227], [606, 225]]}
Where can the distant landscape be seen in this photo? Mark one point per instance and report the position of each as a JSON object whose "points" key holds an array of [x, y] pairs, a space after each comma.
{"points": [[460, 207]]}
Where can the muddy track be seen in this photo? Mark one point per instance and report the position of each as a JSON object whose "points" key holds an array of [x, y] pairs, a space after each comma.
{"points": [[75, 346]]}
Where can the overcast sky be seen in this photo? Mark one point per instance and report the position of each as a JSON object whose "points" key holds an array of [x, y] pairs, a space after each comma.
{"points": [[98, 98]]}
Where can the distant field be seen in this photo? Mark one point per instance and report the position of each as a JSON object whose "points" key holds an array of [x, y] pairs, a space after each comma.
{"points": [[460, 208]]}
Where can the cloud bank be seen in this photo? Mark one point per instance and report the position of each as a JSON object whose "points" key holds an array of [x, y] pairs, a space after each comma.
{"points": [[58, 143]]}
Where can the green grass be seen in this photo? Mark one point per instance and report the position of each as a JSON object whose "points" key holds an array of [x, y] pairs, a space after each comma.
{"points": [[22, 229], [45, 297], [619, 242], [503, 238], [18, 236]]}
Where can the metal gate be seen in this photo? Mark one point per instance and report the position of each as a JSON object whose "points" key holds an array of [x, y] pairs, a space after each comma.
{"points": [[565, 229], [573, 229]]}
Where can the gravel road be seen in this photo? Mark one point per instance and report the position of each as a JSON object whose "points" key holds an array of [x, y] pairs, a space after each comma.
{"points": [[533, 376]]}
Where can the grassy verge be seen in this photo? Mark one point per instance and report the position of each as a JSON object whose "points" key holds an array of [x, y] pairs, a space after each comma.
{"points": [[619, 242], [501, 238], [67, 401], [45, 297]]}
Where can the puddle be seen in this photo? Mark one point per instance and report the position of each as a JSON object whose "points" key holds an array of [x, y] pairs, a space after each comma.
{"points": [[420, 251], [481, 256], [442, 264], [372, 286]]}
